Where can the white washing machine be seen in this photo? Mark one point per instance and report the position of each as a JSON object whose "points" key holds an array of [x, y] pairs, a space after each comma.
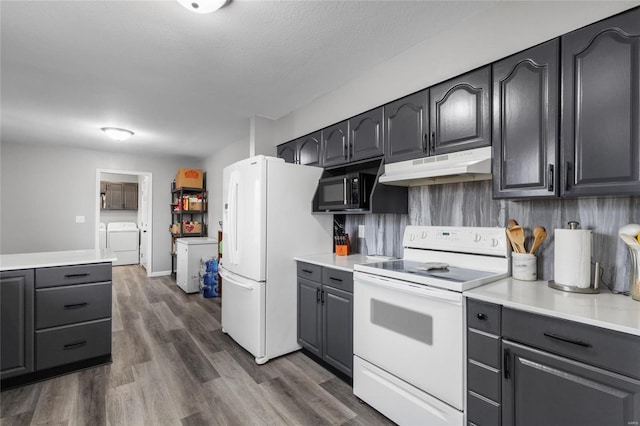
{"points": [[102, 236], [123, 240]]}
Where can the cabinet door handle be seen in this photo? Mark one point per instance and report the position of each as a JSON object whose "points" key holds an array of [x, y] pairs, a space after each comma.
{"points": [[345, 153], [335, 279], [424, 143], [74, 345], [71, 276], [76, 305], [482, 316], [568, 340], [322, 297], [433, 142], [506, 363], [317, 294], [550, 178], [568, 176]]}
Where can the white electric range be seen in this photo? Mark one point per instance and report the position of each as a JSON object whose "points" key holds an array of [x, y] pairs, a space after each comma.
{"points": [[409, 316]]}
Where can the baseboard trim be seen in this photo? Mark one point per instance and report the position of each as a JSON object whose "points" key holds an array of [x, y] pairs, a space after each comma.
{"points": [[159, 274]]}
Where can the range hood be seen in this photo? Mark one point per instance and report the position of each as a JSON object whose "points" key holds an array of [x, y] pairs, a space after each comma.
{"points": [[461, 166]]}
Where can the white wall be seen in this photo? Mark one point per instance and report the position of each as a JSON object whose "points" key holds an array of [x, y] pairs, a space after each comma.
{"points": [[44, 188], [214, 165], [492, 34], [262, 136]]}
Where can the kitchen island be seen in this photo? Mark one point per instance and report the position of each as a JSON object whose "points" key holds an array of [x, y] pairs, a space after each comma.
{"points": [[55, 313]]}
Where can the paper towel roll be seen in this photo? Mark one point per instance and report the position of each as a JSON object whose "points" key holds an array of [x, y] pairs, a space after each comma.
{"points": [[572, 257]]}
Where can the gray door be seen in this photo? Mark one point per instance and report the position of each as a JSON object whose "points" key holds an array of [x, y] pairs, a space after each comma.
{"points": [[365, 137], [406, 127], [335, 145], [308, 149], [309, 316], [16, 323], [525, 116], [288, 151], [461, 112], [601, 107], [539, 388], [337, 325]]}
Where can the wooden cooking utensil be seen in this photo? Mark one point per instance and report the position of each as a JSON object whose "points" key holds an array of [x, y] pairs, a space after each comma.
{"points": [[512, 223], [539, 235], [516, 237]]}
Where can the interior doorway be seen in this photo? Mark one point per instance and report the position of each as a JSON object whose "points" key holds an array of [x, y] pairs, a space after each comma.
{"points": [[140, 213]]}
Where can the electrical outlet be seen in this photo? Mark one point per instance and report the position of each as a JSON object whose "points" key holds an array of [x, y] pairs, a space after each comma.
{"points": [[360, 231]]}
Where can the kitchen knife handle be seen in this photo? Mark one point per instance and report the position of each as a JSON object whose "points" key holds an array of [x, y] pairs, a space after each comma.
{"points": [[506, 363], [568, 340], [550, 178]]}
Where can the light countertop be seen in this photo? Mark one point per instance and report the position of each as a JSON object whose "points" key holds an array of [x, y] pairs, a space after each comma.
{"points": [[330, 260], [11, 262], [607, 310]]}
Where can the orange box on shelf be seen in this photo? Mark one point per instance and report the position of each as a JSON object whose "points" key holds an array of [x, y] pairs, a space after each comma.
{"points": [[189, 178]]}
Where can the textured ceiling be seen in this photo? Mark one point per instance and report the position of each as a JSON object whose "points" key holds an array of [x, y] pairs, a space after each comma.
{"points": [[188, 83]]}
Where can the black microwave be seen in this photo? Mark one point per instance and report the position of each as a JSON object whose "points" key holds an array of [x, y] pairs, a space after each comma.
{"points": [[346, 192]]}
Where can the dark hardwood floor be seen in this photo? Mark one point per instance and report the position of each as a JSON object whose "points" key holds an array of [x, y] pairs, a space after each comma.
{"points": [[172, 365]]}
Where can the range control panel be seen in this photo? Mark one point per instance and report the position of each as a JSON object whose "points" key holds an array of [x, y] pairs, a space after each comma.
{"points": [[475, 240]]}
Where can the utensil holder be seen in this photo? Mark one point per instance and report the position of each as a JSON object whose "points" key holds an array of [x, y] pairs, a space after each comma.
{"points": [[634, 284], [524, 266]]}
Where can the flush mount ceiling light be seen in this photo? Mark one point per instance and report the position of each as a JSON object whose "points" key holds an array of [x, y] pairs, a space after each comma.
{"points": [[203, 6], [117, 134]]}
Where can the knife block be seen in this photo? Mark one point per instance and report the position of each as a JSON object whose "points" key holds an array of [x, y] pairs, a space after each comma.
{"points": [[343, 249]]}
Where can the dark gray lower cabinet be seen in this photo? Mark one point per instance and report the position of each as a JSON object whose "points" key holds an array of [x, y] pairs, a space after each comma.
{"points": [[540, 388], [528, 369], [325, 314], [16, 323]]}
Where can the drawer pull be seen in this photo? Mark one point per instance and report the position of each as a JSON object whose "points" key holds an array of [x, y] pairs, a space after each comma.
{"points": [[482, 316], [335, 279], [568, 340], [75, 345], [308, 271], [76, 305], [71, 276]]}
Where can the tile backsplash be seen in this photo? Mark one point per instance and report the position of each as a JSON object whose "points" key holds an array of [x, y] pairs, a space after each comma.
{"points": [[471, 204]]}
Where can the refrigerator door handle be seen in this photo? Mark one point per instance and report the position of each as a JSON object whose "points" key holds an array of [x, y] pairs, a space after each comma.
{"points": [[229, 278], [232, 216]]}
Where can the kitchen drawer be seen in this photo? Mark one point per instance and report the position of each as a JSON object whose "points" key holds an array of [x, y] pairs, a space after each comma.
{"points": [[310, 271], [77, 274], [484, 348], [484, 380], [611, 350], [70, 304], [483, 316], [71, 343], [338, 278], [481, 411]]}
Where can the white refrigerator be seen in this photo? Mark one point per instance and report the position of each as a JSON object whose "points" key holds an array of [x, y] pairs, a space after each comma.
{"points": [[267, 221]]}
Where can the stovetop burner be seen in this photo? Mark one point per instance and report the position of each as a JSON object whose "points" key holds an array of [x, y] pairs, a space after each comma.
{"points": [[450, 273]]}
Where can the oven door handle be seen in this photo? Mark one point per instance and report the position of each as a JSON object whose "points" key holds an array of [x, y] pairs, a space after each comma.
{"points": [[406, 287]]}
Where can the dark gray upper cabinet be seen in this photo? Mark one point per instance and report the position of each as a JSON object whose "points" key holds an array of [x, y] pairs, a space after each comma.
{"points": [[601, 108], [460, 111], [405, 127], [288, 151], [16, 323], [335, 149], [308, 149], [525, 129], [304, 150], [365, 135], [120, 195]]}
